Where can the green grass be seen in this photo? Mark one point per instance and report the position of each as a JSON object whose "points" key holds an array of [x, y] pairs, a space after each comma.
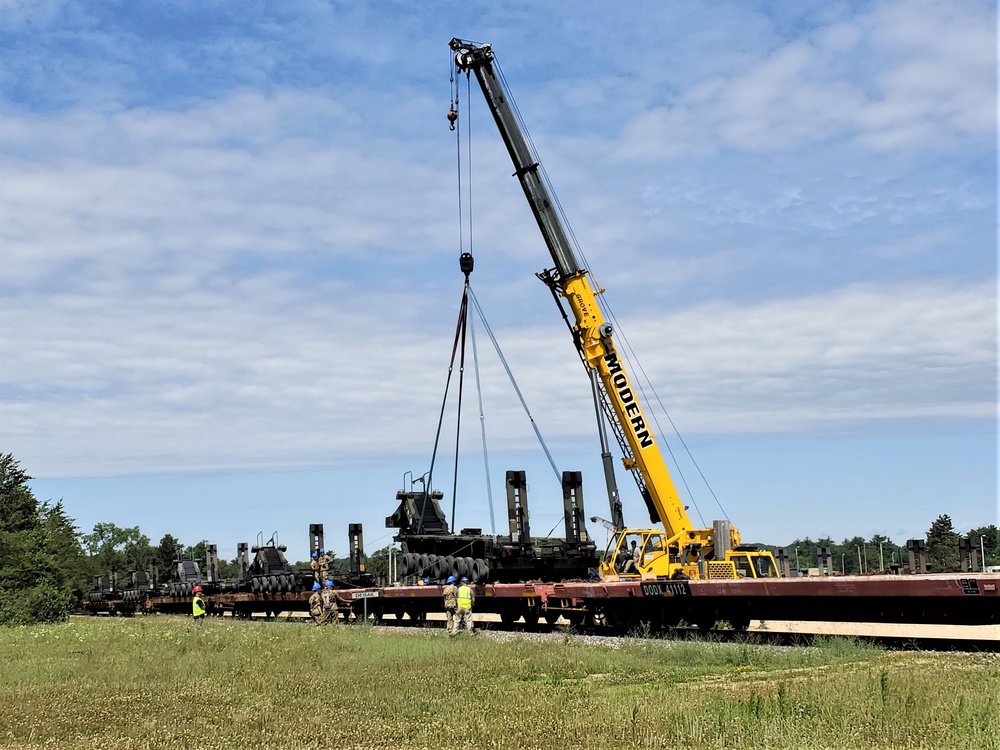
{"points": [[155, 683]]}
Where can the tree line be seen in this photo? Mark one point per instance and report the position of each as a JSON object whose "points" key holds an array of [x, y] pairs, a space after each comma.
{"points": [[47, 566], [880, 553]]}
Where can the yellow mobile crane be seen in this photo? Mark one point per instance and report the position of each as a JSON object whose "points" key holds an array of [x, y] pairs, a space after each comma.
{"points": [[678, 549]]}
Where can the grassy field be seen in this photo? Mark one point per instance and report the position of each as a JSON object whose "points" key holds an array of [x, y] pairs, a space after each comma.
{"points": [[155, 683]]}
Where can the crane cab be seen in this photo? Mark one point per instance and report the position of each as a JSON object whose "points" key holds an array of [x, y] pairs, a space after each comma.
{"points": [[647, 553], [638, 553]]}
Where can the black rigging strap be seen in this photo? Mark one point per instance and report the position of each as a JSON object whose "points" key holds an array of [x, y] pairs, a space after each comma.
{"points": [[457, 349]]}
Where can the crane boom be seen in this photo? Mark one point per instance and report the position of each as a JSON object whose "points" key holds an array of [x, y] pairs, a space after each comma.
{"points": [[684, 547], [572, 280]]}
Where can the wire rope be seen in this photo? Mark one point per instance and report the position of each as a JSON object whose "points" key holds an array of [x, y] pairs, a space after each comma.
{"points": [[606, 307], [482, 424], [513, 381]]}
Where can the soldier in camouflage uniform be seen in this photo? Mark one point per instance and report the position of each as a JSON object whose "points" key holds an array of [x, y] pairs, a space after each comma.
{"points": [[316, 604], [314, 567], [325, 558], [329, 602], [451, 604]]}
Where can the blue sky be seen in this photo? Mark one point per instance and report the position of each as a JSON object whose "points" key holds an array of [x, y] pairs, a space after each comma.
{"points": [[230, 230]]}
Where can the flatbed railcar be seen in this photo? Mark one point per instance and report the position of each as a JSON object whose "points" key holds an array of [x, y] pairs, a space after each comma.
{"points": [[619, 606], [945, 599]]}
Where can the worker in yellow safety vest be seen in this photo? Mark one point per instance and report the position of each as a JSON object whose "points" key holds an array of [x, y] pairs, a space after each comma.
{"points": [[466, 598], [197, 607]]}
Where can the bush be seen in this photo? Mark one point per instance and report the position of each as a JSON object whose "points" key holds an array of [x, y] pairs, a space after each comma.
{"points": [[44, 603]]}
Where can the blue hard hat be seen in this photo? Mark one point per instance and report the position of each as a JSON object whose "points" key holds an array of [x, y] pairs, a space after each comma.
{"points": [[315, 554], [329, 583], [464, 579], [427, 580], [316, 587], [322, 551], [451, 579]]}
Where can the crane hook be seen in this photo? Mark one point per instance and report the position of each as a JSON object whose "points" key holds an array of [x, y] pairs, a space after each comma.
{"points": [[452, 117]]}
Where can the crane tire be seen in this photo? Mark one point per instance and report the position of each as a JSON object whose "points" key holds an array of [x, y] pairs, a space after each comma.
{"points": [[482, 570]]}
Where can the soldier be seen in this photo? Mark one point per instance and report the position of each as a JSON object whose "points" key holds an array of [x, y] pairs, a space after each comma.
{"points": [[451, 604], [314, 566], [316, 604], [466, 598], [197, 607], [325, 558], [329, 600]]}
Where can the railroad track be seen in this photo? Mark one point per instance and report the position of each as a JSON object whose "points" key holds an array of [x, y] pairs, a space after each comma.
{"points": [[783, 633]]}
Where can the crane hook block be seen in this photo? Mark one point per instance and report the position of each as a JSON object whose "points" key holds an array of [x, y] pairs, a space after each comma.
{"points": [[452, 117], [466, 262]]}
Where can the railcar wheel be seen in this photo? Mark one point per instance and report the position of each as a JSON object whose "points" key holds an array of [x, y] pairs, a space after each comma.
{"points": [[740, 624], [602, 617]]}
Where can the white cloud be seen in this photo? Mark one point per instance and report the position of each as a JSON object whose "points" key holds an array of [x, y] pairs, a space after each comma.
{"points": [[262, 374], [269, 279], [906, 74], [134, 188]]}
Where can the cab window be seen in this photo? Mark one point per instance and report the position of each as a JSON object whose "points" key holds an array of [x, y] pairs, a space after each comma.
{"points": [[743, 567], [765, 567], [652, 549]]}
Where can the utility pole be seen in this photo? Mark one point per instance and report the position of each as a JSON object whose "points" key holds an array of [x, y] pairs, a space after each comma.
{"points": [[982, 550], [797, 568], [860, 568], [881, 559], [842, 568]]}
